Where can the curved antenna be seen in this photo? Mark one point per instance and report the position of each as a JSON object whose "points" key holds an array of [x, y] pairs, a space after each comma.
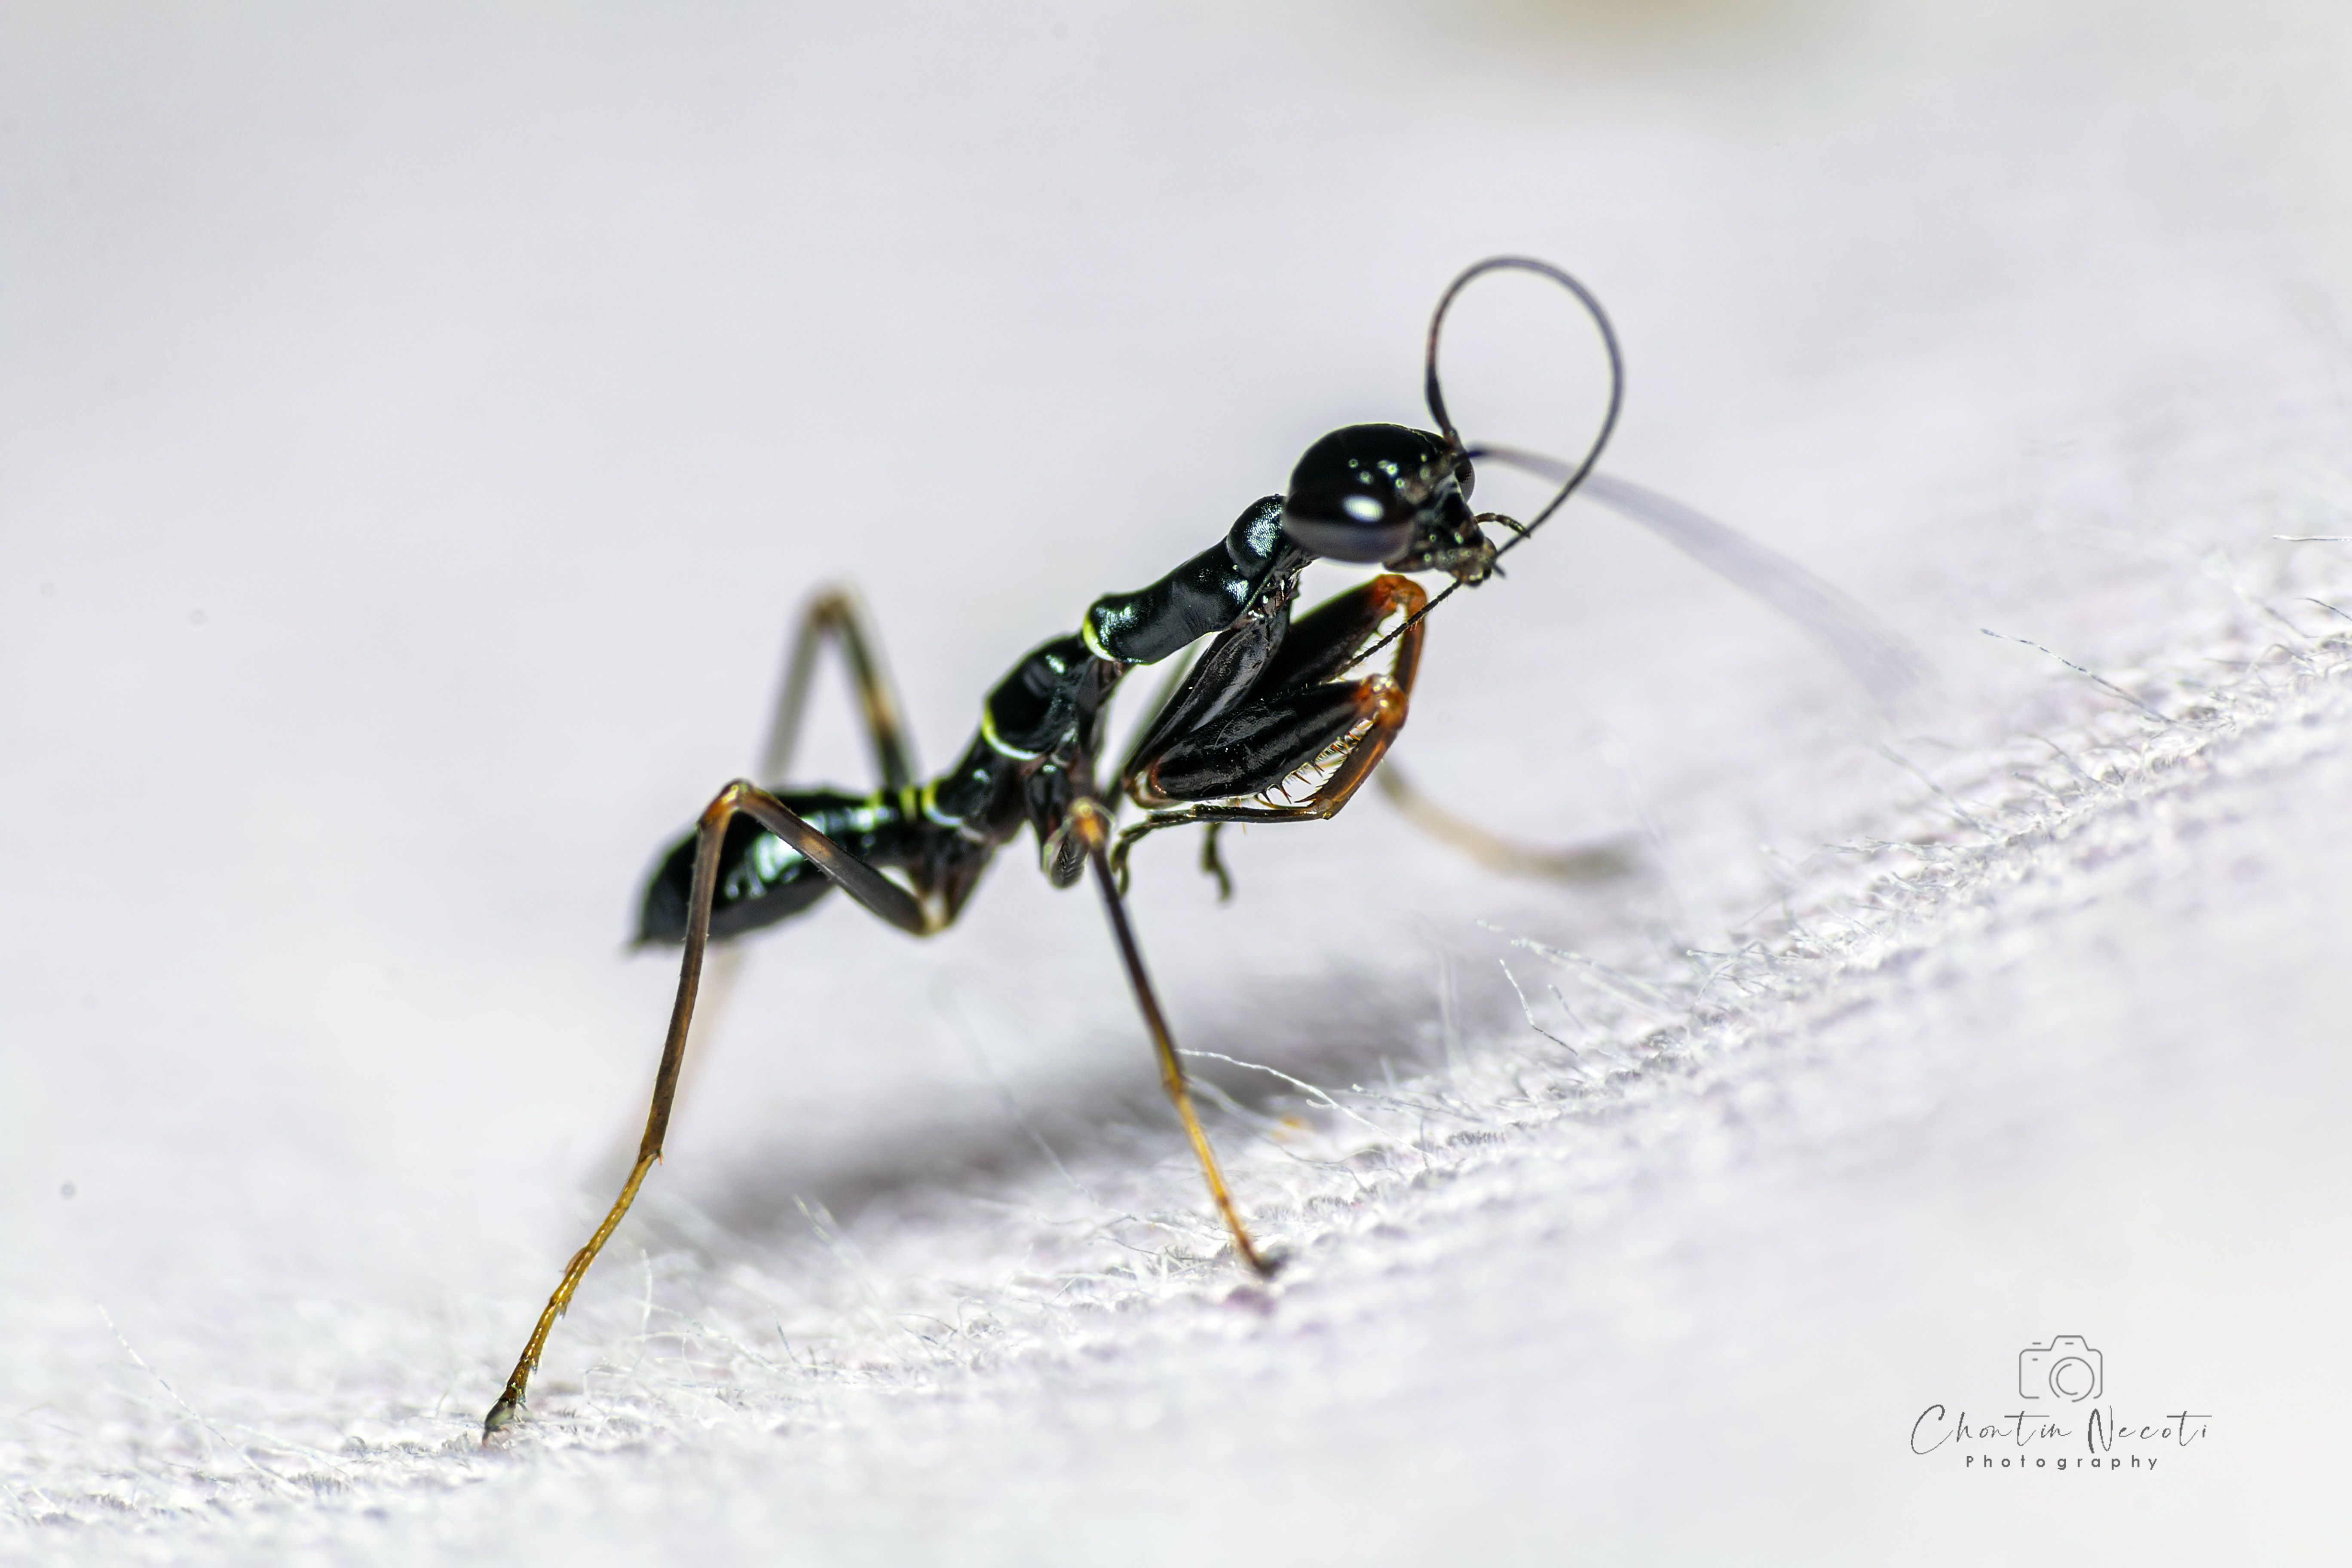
{"points": [[1549, 468], [1436, 396], [1875, 654], [1879, 657]]}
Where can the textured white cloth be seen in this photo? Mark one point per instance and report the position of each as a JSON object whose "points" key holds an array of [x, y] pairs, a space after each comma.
{"points": [[420, 426]]}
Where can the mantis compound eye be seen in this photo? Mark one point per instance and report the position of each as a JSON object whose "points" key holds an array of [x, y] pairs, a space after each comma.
{"points": [[1361, 493], [1347, 523]]}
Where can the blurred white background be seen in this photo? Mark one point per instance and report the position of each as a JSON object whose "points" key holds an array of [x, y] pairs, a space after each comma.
{"points": [[419, 423]]}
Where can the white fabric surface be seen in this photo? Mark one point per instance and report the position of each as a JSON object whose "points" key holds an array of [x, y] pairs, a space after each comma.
{"points": [[418, 427]]}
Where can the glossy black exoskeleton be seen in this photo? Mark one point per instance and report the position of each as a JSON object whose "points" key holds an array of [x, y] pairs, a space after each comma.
{"points": [[1280, 717]]}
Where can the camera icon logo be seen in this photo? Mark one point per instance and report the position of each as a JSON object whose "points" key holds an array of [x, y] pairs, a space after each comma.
{"points": [[2066, 1368]]}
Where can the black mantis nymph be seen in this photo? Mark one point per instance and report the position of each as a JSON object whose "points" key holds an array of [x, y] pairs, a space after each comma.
{"points": [[1277, 719]]}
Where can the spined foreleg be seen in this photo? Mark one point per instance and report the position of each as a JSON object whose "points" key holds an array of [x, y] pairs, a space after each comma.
{"points": [[1296, 720]]}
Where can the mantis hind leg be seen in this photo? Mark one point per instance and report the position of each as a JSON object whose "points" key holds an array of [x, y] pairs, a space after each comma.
{"points": [[835, 616], [757, 887], [861, 881]]}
